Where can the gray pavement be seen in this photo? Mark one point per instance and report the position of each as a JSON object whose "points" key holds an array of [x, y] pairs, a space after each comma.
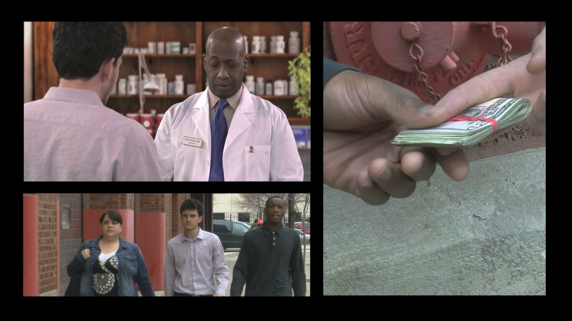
{"points": [[485, 235]]}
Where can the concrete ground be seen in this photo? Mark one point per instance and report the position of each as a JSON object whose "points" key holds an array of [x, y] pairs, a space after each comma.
{"points": [[482, 236]]}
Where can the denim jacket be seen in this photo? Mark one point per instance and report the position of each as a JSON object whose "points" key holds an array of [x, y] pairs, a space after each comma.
{"points": [[132, 268]]}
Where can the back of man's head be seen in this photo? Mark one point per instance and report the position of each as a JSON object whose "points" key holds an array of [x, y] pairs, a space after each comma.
{"points": [[80, 48]]}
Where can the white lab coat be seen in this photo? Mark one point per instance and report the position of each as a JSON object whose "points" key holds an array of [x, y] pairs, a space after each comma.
{"points": [[259, 146]]}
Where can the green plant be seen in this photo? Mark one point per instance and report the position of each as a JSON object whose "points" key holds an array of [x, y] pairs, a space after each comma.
{"points": [[299, 67]]}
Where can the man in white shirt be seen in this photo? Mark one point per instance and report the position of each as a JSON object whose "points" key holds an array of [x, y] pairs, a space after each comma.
{"points": [[195, 258], [258, 143], [70, 135]]}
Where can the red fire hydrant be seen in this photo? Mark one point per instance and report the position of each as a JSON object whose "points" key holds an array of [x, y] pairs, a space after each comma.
{"points": [[435, 55]]}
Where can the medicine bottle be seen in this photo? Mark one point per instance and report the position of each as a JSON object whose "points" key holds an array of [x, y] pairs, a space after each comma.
{"points": [[294, 89], [279, 44], [294, 43], [255, 44], [273, 44], [269, 87], [179, 85], [278, 87], [262, 44], [250, 84], [162, 83], [259, 86], [132, 85], [122, 86]]}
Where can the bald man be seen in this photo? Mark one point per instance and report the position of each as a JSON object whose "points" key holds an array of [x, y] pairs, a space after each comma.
{"points": [[225, 133]]}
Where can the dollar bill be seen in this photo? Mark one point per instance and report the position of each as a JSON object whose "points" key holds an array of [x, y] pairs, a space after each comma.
{"points": [[471, 126]]}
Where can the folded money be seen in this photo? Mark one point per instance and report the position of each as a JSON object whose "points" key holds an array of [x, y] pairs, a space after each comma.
{"points": [[469, 127]]}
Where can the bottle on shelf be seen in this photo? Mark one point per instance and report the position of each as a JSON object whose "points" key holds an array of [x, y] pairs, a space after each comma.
{"points": [[293, 87], [269, 87], [294, 43], [255, 44], [162, 83], [259, 86], [122, 86], [279, 44], [273, 44], [250, 84], [262, 44], [132, 86], [179, 85]]}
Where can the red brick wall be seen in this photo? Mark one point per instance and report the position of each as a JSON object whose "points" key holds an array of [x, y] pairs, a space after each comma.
{"points": [[47, 218], [111, 201], [178, 199], [168, 199]]}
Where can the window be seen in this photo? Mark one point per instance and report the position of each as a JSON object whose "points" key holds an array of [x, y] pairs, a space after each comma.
{"points": [[222, 227], [65, 217]]}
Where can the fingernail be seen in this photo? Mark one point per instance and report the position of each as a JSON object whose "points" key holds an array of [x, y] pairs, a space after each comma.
{"points": [[385, 175], [368, 183]]}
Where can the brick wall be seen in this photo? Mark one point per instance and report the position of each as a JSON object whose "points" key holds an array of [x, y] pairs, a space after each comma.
{"points": [[47, 218], [111, 201], [168, 199], [178, 199], [152, 203]]}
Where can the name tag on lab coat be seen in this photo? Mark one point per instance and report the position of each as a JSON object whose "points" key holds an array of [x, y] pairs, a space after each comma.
{"points": [[190, 141]]}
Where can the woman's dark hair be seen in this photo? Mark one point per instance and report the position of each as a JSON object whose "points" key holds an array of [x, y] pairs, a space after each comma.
{"points": [[113, 215], [192, 204], [80, 48]]}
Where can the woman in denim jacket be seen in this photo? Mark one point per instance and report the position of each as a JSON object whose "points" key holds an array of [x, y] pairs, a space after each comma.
{"points": [[109, 265]]}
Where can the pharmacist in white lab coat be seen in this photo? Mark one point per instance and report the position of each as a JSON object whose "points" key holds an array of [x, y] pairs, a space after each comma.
{"points": [[259, 144]]}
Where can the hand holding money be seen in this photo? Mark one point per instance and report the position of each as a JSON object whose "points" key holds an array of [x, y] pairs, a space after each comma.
{"points": [[469, 127]]}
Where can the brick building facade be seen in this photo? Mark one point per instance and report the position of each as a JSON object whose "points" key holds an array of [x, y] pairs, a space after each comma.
{"points": [[49, 245]]}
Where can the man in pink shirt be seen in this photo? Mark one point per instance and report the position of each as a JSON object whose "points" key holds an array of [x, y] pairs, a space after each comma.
{"points": [[70, 135]]}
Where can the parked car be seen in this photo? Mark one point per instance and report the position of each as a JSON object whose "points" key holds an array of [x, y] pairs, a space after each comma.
{"points": [[304, 238], [230, 233], [304, 226]]}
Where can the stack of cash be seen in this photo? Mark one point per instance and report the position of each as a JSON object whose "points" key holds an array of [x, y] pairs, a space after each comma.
{"points": [[471, 126]]}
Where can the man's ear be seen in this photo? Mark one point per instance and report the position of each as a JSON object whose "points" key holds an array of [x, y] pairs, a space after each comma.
{"points": [[107, 69]]}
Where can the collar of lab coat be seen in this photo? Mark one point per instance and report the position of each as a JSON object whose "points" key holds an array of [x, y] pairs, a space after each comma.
{"points": [[232, 100], [243, 116], [245, 103]]}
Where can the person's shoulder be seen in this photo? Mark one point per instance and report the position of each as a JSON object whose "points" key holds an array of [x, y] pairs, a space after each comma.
{"points": [[209, 235], [264, 106], [289, 231], [185, 105], [176, 238]]}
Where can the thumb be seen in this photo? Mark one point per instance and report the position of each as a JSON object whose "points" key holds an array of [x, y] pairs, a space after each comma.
{"points": [[388, 101], [537, 62]]}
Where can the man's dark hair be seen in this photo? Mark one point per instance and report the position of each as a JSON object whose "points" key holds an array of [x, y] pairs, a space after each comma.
{"points": [[113, 215], [192, 204], [80, 48], [271, 197]]}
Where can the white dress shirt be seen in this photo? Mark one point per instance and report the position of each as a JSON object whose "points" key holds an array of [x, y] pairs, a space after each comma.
{"points": [[69, 135], [192, 265]]}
